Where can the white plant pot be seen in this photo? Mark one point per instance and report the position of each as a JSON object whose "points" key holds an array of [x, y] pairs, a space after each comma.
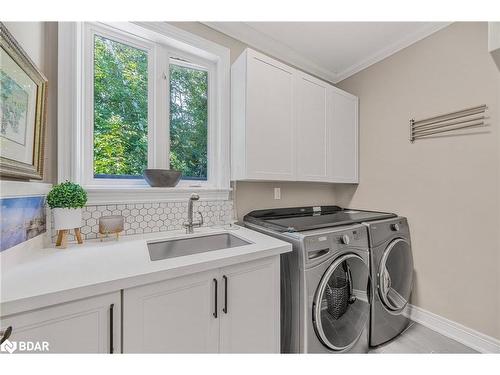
{"points": [[67, 218]]}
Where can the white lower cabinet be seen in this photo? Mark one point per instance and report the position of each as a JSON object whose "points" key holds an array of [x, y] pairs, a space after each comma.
{"points": [[232, 309], [235, 309], [173, 316], [250, 319], [90, 325]]}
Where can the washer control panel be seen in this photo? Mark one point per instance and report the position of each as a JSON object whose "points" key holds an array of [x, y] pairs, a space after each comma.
{"points": [[318, 244], [353, 237], [345, 239]]}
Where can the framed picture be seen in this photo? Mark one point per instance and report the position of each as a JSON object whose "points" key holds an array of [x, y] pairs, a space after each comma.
{"points": [[23, 91]]}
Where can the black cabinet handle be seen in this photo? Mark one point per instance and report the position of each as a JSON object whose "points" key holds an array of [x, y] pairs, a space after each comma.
{"points": [[111, 309], [225, 294], [215, 298], [4, 335]]}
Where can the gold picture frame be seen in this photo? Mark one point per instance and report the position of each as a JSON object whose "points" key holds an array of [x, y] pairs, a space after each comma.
{"points": [[22, 106]]}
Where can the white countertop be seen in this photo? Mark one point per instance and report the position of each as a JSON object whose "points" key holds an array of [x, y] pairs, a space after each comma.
{"points": [[44, 277]]}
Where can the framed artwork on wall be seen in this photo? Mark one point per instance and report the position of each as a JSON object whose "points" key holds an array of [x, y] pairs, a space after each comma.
{"points": [[23, 97]]}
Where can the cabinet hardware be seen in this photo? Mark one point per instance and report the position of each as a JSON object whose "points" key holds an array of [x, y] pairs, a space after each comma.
{"points": [[225, 294], [111, 348], [4, 335], [215, 298]]}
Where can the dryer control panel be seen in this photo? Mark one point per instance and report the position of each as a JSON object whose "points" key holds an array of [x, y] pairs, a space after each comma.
{"points": [[384, 230]]}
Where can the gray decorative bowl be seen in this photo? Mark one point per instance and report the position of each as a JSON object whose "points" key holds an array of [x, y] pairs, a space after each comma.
{"points": [[162, 177]]}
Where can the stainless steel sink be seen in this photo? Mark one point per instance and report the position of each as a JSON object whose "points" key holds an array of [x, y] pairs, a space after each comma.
{"points": [[165, 249]]}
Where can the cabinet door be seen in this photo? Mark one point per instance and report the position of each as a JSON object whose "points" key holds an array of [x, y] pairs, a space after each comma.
{"points": [[173, 316], [82, 326], [312, 129], [344, 137], [250, 320], [269, 119]]}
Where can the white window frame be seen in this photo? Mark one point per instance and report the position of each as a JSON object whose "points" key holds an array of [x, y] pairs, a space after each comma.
{"points": [[75, 108]]}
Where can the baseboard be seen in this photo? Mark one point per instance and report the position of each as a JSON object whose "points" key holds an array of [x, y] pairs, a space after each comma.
{"points": [[467, 336]]}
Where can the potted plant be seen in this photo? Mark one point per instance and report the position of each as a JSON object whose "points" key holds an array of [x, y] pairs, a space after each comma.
{"points": [[66, 201]]}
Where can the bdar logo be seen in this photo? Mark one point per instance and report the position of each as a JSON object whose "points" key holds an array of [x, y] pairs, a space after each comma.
{"points": [[8, 346]]}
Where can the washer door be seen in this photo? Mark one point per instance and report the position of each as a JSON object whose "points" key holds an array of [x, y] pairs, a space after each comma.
{"points": [[341, 307], [395, 277]]}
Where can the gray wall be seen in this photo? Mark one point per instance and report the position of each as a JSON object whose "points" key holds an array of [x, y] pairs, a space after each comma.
{"points": [[448, 187]]}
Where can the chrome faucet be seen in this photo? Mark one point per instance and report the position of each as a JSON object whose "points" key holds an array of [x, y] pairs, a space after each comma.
{"points": [[189, 224]]}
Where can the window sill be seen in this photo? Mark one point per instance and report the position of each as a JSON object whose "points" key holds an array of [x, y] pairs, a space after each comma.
{"points": [[142, 194], [23, 188]]}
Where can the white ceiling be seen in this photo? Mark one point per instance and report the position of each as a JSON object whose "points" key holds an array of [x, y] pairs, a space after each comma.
{"points": [[330, 50]]}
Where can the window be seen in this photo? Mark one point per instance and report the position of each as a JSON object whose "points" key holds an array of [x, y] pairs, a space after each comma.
{"points": [[120, 110], [188, 121], [142, 96]]}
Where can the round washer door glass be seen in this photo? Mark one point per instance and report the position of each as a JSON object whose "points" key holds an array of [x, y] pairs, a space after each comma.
{"points": [[341, 308], [396, 275]]}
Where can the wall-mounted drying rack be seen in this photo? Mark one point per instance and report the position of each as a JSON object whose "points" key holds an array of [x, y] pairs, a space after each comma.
{"points": [[459, 120]]}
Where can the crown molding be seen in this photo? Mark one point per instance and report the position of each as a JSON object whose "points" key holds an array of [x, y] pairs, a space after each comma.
{"points": [[393, 48], [262, 42], [258, 40]]}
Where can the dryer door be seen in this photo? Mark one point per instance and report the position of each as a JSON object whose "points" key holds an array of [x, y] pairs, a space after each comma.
{"points": [[341, 307], [395, 275]]}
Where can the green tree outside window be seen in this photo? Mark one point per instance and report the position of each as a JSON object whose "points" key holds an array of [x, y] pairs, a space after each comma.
{"points": [[121, 114]]}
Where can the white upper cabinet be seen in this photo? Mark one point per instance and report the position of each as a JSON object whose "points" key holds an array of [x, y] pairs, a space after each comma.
{"points": [[344, 137], [262, 117], [285, 126], [312, 128]]}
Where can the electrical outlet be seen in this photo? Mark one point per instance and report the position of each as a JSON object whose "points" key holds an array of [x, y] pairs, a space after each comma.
{"points": [[277, 193]]}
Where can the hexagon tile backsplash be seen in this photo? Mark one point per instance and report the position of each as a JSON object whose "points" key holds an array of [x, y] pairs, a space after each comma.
{"points": [[152, 217]]}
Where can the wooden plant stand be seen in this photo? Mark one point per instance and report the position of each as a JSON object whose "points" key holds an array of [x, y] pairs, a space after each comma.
{"points": [[62, 237]]}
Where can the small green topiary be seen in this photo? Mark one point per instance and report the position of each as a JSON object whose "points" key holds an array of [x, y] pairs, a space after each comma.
{"points": [[67, 195]]}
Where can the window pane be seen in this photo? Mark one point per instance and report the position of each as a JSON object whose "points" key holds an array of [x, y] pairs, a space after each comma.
{"points": [[188, 121], [120, 110]]}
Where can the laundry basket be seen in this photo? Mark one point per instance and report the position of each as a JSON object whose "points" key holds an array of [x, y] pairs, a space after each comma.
{"points": [[337, 297]]}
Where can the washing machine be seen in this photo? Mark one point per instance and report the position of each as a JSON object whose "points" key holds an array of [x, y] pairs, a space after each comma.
{"points": [[336, 302], [325, 280], [391, 270]]}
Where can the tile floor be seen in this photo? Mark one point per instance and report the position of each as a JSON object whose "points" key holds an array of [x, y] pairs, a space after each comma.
{"points": [[420, 339]]}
